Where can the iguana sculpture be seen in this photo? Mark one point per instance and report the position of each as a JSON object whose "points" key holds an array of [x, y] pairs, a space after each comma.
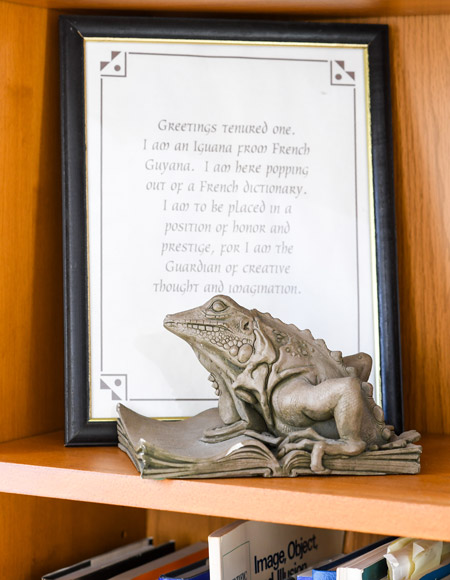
{"points": [[273, 378]]}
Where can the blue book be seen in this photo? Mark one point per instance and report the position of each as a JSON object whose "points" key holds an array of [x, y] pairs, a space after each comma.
{"points": [[438, 573], [197, 571], [328, 571]]}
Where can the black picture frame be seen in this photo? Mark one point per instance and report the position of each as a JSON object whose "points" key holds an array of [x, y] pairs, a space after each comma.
{"points": [[79, 429]]}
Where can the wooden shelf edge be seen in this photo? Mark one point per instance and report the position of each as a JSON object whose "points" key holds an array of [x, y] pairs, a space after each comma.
{"points": [[401, 505], [228, 499]]}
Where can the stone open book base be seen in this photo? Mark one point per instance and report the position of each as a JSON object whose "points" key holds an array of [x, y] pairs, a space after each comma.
{"points": [[288, 406], [174, 449]]}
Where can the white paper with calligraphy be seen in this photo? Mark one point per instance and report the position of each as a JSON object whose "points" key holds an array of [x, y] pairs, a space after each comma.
{"points": [[232, 168]]}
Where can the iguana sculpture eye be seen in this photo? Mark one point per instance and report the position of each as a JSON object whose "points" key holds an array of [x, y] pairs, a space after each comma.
{"points": [[218, 306]]}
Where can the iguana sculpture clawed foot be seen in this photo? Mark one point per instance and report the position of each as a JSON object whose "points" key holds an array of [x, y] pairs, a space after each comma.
{"points": [[310, 440]]}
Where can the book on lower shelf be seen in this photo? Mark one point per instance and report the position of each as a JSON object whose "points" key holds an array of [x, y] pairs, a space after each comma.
{"points": [[133, 563], [114, 561], [370, 565], [247, 550]]}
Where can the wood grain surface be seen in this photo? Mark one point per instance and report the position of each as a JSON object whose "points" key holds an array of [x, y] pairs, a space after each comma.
{"points": [[31, 310], [186, 528], [421, 109]]}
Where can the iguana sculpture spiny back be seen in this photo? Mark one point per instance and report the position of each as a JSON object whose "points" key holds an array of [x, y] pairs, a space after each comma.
{"points": [[273, 377]]}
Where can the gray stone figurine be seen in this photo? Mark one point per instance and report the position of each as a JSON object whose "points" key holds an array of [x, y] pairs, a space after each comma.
{"points": [[287, 406]]}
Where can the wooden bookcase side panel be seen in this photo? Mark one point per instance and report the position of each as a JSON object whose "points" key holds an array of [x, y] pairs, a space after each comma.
{"points": [[31, 309], [421, 121]]}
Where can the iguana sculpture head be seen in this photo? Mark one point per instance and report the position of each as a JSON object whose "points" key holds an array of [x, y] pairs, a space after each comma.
{"points": [[222, 335], [220, 330]]}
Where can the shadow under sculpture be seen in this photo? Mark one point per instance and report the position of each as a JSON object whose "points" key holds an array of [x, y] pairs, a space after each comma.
{"points": [[287, 406]]}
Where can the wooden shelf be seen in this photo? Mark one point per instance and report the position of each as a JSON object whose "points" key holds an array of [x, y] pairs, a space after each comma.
{"points": [[417, 505], [308, 8]]}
